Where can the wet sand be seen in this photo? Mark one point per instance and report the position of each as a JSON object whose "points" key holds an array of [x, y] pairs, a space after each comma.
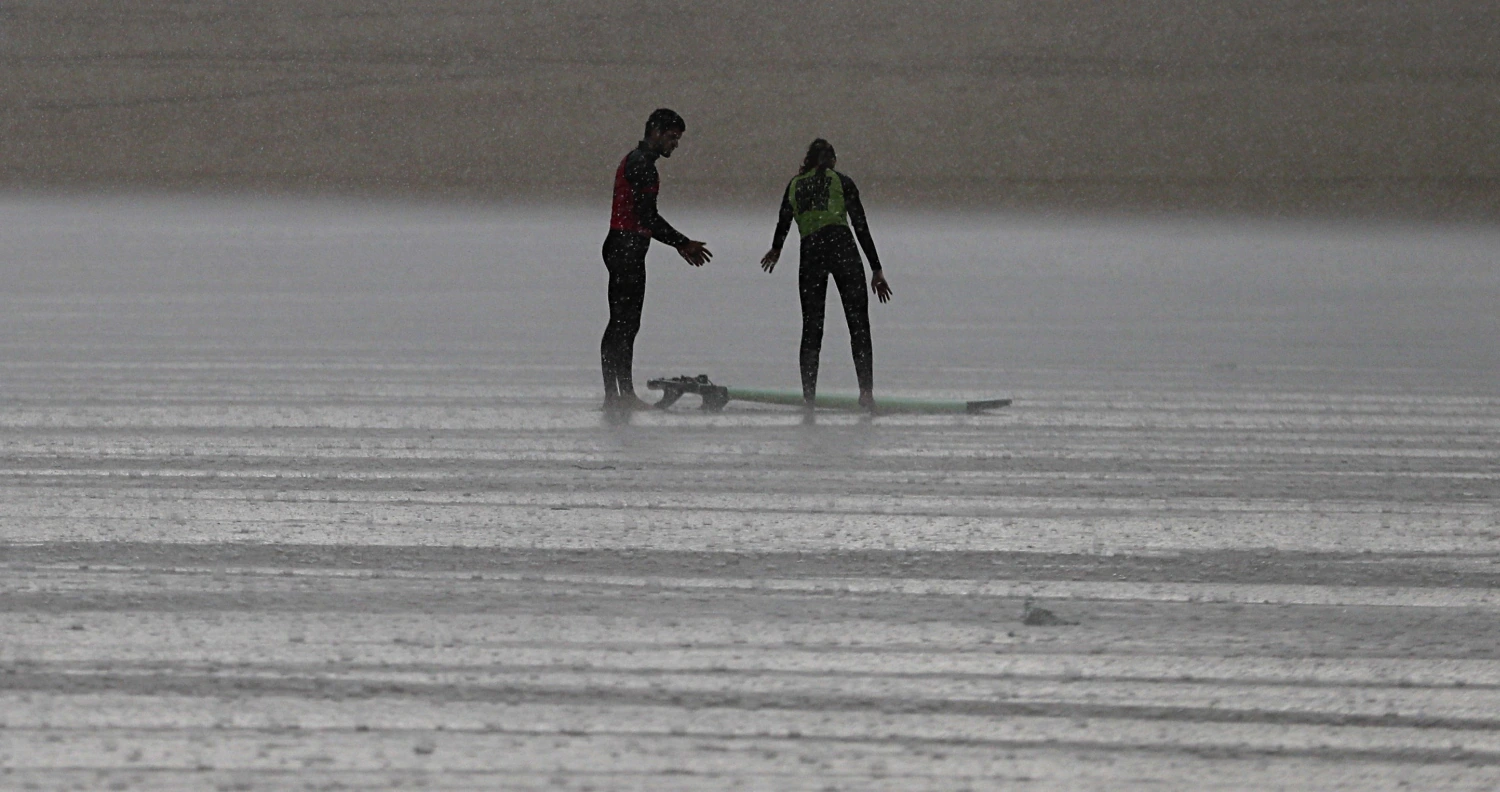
{"points": [[255, 556]]}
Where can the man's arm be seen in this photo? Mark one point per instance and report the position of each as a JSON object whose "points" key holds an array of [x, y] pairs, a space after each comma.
{"points": [[857, 218], [645, 183]]}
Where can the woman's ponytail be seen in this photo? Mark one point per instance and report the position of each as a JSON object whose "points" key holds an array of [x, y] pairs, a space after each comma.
{"points": [[819, 155]]}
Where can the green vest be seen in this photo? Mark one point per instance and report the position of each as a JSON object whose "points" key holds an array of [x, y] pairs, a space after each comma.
{"points": [[817, 200]]}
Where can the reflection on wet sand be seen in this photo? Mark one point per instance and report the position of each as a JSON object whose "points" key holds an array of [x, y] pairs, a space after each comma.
{"points": [[378, 538]]}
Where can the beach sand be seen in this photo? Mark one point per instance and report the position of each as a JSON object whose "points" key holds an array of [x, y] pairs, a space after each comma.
{"points": [[311, 496], [1383, 109]]}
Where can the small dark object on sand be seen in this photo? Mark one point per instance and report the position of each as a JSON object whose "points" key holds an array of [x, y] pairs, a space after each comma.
{"points": [[1041, 617]]}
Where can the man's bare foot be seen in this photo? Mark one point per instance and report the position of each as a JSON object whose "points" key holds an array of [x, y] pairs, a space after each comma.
{"points": [[625, 403], [628, 401]]}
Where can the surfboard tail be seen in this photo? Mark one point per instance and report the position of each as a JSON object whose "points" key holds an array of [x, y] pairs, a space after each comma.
{"points": [[985, 404]]}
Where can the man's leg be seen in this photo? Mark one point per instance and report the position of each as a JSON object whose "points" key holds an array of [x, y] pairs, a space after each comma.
{"points": [[812, 285], [627, 296]]}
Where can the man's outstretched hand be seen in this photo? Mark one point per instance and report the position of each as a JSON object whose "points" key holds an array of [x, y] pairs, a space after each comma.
{"points": [[768, 261], [880, 287], [695, 253]]}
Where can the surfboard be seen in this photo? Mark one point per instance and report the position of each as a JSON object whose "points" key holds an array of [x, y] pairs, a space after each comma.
{"points": [[716, 396], [883, 404]]}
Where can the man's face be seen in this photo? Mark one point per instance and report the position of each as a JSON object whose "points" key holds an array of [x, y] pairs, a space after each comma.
{"points": [[665, 142]]}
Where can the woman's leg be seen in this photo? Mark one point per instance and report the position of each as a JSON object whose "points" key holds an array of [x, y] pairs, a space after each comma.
{"points": [[812, 285], [849, 275]]}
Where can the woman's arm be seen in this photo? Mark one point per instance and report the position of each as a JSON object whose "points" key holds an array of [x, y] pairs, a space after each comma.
{"points": [[856, 212], [783, 225]]}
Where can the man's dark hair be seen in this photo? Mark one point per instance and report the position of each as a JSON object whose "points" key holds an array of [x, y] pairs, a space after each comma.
{"points": [[664, 120]]}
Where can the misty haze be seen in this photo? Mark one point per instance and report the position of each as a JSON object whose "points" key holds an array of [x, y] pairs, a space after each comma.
{"points": [[305, 481]]}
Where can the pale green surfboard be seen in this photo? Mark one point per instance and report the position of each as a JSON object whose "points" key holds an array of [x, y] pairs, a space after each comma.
{"points": [[716, 396], [884, 404]]}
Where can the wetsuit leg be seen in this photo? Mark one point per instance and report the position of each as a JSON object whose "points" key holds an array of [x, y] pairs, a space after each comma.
{"points": [[849, 276], [626, 261], [812, 284]]}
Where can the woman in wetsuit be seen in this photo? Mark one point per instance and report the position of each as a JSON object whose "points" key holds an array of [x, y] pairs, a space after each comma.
{"points": [[824, 203]]}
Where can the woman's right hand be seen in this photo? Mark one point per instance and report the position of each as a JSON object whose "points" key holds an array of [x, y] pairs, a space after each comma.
{"points": [[768, 262], [880, 287]]}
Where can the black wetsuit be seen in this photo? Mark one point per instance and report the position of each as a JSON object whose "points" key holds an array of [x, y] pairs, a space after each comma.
{"points": [[633, 223], [831, 251]]}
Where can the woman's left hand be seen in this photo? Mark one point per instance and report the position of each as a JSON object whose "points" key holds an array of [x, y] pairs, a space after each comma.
{"points": [[768, 262], [880, 287]]}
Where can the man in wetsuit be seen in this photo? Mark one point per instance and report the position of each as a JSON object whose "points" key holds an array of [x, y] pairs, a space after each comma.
{"points": [[825, 202], [633, 223]]}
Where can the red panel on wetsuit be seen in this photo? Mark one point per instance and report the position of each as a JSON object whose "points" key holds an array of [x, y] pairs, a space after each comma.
{"points": [[622, 216]]}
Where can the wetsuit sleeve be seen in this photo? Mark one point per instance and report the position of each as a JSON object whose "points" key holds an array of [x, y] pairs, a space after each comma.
{"points": [[856, 212], [783, 219], [645, 182]]}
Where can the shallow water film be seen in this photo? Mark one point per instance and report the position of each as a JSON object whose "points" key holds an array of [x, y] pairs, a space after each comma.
{"points": [[319, 495]]}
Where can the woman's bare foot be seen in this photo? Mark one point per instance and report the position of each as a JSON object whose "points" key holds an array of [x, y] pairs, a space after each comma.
{"points": [[867, 400]]}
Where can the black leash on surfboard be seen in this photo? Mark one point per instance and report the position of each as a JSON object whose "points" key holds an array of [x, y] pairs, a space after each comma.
{"points": [[714, 396]]}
